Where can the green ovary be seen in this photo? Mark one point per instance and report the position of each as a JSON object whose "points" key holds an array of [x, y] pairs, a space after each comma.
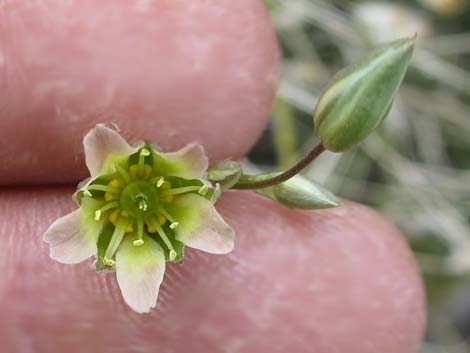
{"points": [[139, 199]]}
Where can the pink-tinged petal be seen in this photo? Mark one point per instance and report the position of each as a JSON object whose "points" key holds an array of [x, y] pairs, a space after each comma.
{"points": [[100, 143], [190, 162], [200, 225], [139, 271], [70, 241]]}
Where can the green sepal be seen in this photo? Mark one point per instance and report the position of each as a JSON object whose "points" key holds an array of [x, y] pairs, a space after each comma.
{"points": [[226, 173], [360, 96], [298, 192], [102, 244]]}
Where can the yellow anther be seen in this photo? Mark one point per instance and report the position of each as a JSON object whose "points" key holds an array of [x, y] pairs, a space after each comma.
{"points": [[109, 196], [161, 220], [160, 182], [97, 215], [116, 183], [87, 193], [114, 216], [203, 190], [174, 225], [108, 262], [173, 254], [167, 198], [166, 185], [150, 227], [138, 242]]}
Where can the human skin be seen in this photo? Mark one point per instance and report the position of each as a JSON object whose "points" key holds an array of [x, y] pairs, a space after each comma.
{"points": [[328, 281]]}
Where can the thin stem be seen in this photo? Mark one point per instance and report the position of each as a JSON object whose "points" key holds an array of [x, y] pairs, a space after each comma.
{"points": [[249, 183]]}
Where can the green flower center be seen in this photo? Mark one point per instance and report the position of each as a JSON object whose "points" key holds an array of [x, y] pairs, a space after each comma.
{"points": [[139, 198]]}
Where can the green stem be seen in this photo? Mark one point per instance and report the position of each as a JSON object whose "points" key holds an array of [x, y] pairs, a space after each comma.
{"points": [[250, 182]]}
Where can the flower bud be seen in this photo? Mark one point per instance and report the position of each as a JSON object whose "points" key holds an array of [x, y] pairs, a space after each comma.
{"points": [[299, 192], [361, 95]]}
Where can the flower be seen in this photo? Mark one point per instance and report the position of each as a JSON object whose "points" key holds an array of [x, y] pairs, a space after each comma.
{"points": [[139, 208]]}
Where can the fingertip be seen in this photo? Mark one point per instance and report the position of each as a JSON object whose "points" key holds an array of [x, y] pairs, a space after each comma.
{"points": [[340, 280], [151, 71]]}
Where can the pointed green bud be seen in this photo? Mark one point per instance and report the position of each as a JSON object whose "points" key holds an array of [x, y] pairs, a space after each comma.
{"points": [[226, 173], [299, 192], [360, 96]]}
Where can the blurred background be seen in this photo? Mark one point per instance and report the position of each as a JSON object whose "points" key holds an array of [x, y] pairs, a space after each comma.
{"points": [[416, 167]]}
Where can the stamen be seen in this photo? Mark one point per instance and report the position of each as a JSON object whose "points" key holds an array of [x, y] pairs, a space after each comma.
{"points": [[160, 182], [181, 190], [203, 190], [143, 153], [173, 254], [162, 234], [123, 173], [174, 225], [86, 192], [106, 207], [116, 238], [165, 213], [99, 187]]}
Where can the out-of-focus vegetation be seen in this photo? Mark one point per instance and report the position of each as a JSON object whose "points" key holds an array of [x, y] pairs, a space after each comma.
{"points": [[416, 167]]}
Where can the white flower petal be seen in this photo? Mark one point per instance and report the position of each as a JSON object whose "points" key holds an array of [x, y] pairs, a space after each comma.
{"points": [[99, 144], [190, 162], [139, 271], [200, 225], [70, 241]]}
